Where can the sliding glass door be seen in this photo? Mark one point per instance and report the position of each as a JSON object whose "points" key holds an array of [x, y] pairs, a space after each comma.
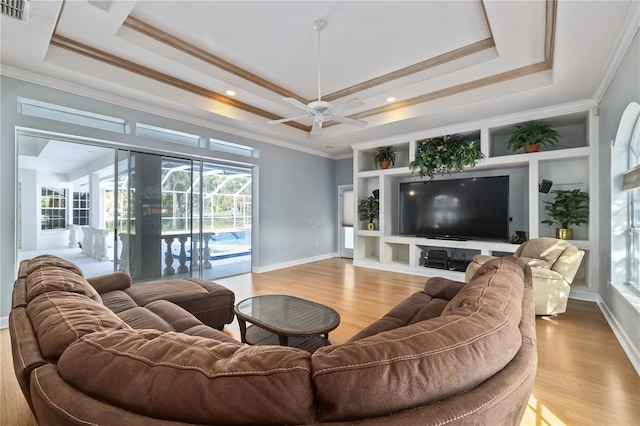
{"points": [[63, 201], [152, 216], [187, 218]]}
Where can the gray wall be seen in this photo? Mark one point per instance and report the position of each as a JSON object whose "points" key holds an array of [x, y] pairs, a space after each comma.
{"points": [[295, 205], [344, 171], [623, 89]]}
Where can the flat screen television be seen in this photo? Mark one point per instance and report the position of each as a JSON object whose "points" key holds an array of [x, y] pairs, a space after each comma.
{"points": [[463, 209]]}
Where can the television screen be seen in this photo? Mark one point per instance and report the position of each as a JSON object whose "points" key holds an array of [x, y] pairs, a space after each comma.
{"points": [[471, 208]]}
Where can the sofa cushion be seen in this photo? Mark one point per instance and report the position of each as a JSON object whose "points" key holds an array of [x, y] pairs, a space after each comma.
{"points": [[179, 319], [498, 284], [59, 318], [415, 308], [211, 303], [140, 318], [118, 301], [47, 260], [113, 281], [55, 278], [443, 288], [210, 333], [219, 382], [177, 291], [426, 361]]}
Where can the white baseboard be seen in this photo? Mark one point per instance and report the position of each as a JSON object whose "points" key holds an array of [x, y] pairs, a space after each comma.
{"points": [[584, 295], [626, 343], [275, 266], [4, 322]]}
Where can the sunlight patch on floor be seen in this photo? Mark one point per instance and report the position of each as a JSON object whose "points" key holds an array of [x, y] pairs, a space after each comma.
{"points": [[538, 414]]}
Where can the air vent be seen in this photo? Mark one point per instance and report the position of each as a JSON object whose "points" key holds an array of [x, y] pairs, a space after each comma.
{"points": [[14, 9]]}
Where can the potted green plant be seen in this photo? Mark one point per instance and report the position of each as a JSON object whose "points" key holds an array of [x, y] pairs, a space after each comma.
{"points": [[568, 208], [384, 157], [369, 209], [445, 154], [531, 135]]}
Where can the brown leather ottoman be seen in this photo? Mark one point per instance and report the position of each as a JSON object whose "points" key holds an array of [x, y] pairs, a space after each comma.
{"points": [[211, 303]]}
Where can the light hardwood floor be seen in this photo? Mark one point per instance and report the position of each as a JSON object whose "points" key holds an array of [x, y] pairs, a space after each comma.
{"points": [[583, 378]]}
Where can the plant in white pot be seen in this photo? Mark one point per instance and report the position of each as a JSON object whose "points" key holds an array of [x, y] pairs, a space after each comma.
{"points": [[568, 208]]}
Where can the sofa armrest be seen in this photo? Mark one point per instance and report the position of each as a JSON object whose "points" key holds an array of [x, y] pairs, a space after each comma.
{"points": [[478, 261], [481, 259], [443, 288], [568, 263], [110, 282]]}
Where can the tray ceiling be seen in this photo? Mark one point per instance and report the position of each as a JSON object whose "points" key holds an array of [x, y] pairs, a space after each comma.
{"points": [[443, 61]]}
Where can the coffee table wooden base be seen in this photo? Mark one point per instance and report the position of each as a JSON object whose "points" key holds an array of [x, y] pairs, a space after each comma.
{"points": [[259, 336]]}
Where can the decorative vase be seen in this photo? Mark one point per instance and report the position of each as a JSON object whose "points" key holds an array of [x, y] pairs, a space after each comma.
{"points": [[384, 164], [371, 226], [564, 233], [532, 148]]}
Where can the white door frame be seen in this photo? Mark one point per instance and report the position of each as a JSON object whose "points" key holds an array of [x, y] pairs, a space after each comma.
{"points": [[342, 251]]}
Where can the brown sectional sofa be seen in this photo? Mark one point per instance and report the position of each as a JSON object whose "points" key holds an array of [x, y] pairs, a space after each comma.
{"points": [[454, 353]]}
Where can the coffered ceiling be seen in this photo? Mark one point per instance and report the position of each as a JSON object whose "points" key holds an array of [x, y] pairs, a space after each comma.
{"points": [[444, 62]]}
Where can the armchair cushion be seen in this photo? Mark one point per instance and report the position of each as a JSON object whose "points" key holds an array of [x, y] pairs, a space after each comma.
{"points": [[550, 253]]}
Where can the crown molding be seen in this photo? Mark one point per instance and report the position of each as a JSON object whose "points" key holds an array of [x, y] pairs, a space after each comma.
{"points": [[629, 30], [102, 96]]}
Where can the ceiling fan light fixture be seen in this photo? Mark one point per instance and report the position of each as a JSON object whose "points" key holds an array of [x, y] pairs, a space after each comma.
{"points": [[322, 111], [319, 24]]}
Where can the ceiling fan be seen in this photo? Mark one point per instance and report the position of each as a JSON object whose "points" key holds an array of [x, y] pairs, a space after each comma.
{"points": [[323, 111]]}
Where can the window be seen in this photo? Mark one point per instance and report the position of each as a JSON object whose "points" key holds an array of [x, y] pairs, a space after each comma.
{"points": [[53, 208], [631, 184], [168, 135], [634, 238], [64, 114], [233, 148], [81, 208]]}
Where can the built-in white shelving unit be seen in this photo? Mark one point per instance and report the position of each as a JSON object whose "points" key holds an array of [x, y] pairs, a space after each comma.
{"points": [[570, 164]]}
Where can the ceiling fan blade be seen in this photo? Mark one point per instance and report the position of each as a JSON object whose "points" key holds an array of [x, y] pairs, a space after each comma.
{"points": [[295, 102], [317, 127], [351, 103], [347, 120], [284, 120]]}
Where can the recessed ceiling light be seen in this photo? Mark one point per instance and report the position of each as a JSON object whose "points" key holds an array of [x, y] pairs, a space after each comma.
{"points": [[391, 99], [230, 93]]}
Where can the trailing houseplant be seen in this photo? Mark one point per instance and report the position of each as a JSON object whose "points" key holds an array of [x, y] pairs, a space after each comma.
{"points": [[384, 157], [369, 209], [568, 208], [445, 154], [531, 135]]}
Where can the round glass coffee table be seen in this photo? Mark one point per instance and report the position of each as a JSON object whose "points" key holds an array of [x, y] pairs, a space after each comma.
{"points": [[285, 320]]}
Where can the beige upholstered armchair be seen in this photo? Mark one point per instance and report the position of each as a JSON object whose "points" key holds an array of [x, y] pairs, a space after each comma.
{"points": [[554, 264]]}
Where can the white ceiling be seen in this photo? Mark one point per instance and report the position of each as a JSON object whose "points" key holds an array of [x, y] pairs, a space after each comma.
{"points": [[446, 62]]}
